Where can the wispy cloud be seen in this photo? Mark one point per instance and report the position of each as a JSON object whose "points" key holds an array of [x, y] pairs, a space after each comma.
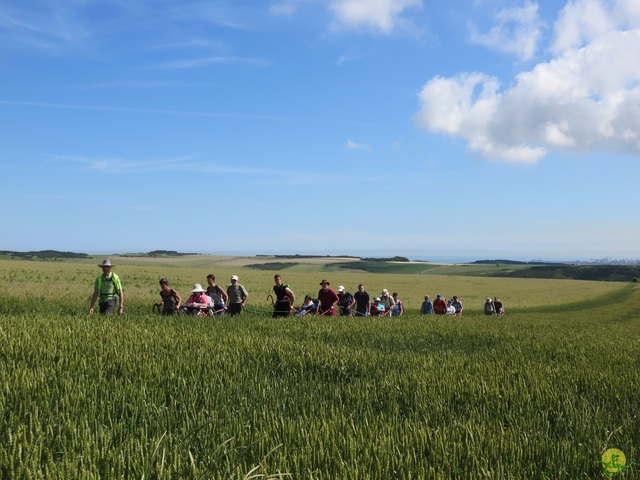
{"points": [[517, 31], [381, 16], [53, 27], [190, 44], [351, 145], [203, 166], [11, 22], [143, 84], [67, 26], [352, 57], [286, 8], [215, 60], [118, 165], [140, 110]]}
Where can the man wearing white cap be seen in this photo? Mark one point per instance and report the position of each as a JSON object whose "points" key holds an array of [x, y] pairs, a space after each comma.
{"points": [[346, 301], [238, 296], [109, 289]]}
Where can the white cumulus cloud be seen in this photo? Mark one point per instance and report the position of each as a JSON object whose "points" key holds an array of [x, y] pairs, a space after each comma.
{"points": [[584, 98], [517, 31], [380, 15]]}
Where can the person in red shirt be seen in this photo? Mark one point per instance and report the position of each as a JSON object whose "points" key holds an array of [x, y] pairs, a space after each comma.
{"points": [[328, 299], [440, 305]]}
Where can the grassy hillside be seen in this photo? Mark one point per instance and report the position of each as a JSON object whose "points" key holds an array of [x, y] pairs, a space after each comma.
{"points": [[300, 263], [67, 286], [610, 273], [540, 393]]}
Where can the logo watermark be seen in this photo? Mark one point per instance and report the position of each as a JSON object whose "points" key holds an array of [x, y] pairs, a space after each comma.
{"points": [[614, 462]]}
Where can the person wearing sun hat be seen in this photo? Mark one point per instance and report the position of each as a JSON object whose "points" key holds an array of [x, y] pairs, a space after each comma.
{"points": [[197, 301], [238, 297], [107, 290], [386, 300], [328, 299]]}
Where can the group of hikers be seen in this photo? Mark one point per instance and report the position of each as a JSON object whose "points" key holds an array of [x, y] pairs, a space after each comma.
{"points": [[359, 304], [442, 306], [453, 306], [215, 300], [493, 307]]}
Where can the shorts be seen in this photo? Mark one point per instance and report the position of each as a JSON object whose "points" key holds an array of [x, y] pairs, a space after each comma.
{"points": [[234, 309], [281, 309], [108, 307]]}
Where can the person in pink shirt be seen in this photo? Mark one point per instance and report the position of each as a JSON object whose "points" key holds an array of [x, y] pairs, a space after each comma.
{"points": [[197, 301]]}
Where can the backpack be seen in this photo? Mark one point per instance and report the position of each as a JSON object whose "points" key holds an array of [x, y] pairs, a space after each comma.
{"points": [[280, 291], [216, 295], [488, 308]]}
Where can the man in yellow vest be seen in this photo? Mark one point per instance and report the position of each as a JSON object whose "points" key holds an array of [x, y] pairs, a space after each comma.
{"points": [[109, 291]]}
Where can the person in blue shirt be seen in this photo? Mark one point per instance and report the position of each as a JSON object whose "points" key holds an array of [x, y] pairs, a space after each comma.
{"points": [[398, 307], [457, 304], [427, 306]]}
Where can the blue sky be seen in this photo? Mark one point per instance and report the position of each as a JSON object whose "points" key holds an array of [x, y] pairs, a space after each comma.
{"points": [[442, 129]]}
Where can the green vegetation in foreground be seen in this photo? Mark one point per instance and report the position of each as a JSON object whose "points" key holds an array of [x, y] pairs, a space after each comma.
{"points": [[540, 393]]}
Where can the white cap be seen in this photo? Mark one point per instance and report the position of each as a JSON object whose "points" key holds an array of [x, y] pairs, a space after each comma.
{"points": [[341, 288], [234, 277]]}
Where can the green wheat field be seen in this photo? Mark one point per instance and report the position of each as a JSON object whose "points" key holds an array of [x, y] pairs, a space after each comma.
{"points": [[540, 393]]}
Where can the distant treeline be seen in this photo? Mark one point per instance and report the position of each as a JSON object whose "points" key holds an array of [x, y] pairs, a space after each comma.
{"points": [[297, 255], [159, 253], [272, 265], [43, 254], [365, 259], [608, 273], [513, 262], [388, 259], [54, 254]]}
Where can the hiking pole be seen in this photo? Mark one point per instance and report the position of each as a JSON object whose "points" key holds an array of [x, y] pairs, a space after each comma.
{"points": [[273, 304]]}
